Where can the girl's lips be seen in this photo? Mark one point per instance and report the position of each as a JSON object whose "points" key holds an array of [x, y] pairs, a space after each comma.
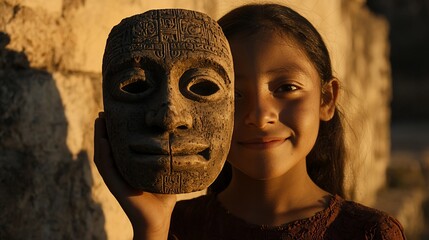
{"points": [[262, 143]]}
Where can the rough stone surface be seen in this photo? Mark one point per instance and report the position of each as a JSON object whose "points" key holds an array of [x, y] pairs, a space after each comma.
{"points": [[49, 50], [50, 78], [45, 184]]}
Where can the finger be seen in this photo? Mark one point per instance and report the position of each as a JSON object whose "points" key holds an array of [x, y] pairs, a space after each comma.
{"points": [[102, 152], [105, 163], [101, 114], [107, 169], [100, 132], [100, 125]]}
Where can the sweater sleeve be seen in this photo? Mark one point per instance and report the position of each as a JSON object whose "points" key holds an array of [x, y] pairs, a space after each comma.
{"points": [[388, 228]]}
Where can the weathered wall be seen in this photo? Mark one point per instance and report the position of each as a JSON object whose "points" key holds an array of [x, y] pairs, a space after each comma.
{"points": [[367, 96], [50, 64]]}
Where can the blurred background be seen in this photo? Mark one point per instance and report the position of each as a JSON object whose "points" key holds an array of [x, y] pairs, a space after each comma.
{"points": [[50, 94], [408, 171]]}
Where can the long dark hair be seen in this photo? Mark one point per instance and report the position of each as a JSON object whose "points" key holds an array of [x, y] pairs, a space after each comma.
{"points": [[325, 162]]}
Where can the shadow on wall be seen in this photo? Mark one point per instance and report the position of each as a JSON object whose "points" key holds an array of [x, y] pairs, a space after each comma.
{"points": [[45, 191]]}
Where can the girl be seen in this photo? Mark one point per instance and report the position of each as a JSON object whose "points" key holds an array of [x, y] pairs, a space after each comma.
{"points": [[286, 157]]}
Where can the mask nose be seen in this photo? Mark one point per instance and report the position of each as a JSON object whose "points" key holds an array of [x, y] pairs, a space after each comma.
{"points": [[170, 117]]}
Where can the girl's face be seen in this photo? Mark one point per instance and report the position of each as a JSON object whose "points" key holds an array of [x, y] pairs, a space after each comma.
{"points": [[278, 105]]}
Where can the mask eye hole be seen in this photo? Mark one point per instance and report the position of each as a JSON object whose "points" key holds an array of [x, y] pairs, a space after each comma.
{"points": [[135, 86], [203, 85], [131, 84], [204, 88]]}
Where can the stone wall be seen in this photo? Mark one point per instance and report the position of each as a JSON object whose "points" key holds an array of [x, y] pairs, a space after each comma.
{"points": [[50, 94]]}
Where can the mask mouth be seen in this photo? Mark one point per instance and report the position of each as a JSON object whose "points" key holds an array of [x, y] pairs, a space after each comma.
{"points": [[150, 146], [205, 154], [182, 150], [182, 146]]}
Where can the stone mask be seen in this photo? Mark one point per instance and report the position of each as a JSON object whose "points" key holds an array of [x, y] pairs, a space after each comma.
{"points": [[168, 99]]}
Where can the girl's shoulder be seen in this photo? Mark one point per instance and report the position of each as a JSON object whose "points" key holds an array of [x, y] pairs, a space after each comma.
{"points": [[354, 219]]}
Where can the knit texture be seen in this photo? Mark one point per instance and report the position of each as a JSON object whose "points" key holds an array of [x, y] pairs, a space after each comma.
{"points": [[205, 218]]}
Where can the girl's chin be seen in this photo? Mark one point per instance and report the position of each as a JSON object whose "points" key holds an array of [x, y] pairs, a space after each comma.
{"points": [[262, 174]]}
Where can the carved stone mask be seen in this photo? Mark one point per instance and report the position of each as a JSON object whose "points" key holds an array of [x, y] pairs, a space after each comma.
{"points": [[168, 99]]}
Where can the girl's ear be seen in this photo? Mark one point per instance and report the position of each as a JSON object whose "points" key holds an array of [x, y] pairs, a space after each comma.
{"points": [[329, 99]]}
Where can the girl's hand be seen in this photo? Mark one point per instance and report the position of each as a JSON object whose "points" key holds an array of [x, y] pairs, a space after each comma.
{"points": [[149, 213]]}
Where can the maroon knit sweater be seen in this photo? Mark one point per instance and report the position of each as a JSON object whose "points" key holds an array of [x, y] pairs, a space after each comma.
{"points": [[205, 218]]}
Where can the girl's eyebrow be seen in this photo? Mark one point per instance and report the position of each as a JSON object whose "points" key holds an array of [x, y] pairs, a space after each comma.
{"points": [[290, 68]]}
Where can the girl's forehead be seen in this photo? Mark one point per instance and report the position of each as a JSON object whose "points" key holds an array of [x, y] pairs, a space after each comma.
{"points": [[269, 36], [267, 44], [267, 54]]}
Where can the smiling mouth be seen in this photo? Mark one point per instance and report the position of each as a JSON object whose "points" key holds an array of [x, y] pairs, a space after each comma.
{"points": [[178, 153]]}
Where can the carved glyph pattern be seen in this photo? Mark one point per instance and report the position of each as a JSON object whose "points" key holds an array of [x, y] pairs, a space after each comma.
{"points": [[166, 32]]}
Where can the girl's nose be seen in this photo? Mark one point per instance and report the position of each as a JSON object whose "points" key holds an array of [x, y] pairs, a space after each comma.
{"points": [[260, 114], [169, 117]]}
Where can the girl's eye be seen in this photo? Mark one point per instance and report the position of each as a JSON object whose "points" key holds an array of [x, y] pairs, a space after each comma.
{"points": [[286, 88], [201, 84]]}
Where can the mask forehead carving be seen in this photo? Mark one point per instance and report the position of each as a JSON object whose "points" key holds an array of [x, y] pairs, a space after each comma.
{"points": [[168, 99], [165, 33]]}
